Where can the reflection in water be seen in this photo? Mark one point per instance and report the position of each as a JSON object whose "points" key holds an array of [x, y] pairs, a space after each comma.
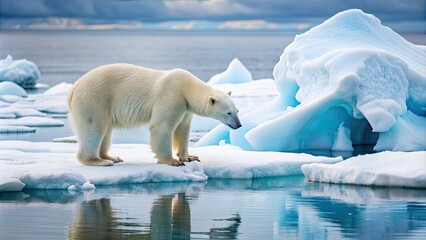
{"points": [[268, 208], [170, 218], [324, 211]]}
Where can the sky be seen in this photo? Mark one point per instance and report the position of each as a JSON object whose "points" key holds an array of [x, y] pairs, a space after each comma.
{"points": [[215, 10]]}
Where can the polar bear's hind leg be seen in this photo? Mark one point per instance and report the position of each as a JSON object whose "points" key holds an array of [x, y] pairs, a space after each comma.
{"points": [[105, 145]]}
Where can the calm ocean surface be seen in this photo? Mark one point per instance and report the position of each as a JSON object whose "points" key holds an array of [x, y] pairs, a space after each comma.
{"points": [[269, 208]]}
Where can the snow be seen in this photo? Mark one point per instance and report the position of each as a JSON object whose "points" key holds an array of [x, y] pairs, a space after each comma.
{"points": [[235, 73], [22, 72], [48, 165], [349, 70], [397, 169]]}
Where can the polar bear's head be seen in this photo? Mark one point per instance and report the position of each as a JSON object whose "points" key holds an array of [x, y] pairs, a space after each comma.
{"points": [[222, 108]]}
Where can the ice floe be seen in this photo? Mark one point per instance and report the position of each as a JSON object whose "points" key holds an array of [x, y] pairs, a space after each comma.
{"points": [[19, 110], [397, 169], [22, 71], [44, 165], [11, 88]]}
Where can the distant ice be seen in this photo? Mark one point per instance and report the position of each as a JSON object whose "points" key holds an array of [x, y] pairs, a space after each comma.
{"points": [[10, 185], [20, 112], [235, 73], [11, 88], [43, 165], [15, 129], [348, 81], [22, 72], [33, 122], [397, 169]]}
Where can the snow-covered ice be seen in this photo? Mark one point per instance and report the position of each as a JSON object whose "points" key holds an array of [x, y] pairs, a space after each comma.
{"points": [[397, 169], [44, 165], [22, 71], [349, 70]]}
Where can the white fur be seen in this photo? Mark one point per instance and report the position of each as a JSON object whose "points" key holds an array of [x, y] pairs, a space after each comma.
{"points": [[126, 96]]}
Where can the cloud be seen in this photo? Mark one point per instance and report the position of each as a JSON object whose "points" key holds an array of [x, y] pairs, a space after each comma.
{"points": [[166, 10]]}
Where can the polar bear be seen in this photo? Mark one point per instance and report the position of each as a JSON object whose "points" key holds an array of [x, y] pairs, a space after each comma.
{"points": [[126, 96]]}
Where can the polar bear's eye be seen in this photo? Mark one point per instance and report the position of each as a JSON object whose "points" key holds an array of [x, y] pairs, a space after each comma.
{"points": [[229, 113]]}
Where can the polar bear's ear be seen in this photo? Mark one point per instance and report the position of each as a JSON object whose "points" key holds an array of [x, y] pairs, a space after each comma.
{"points": [[212, 100], [229, 93]]}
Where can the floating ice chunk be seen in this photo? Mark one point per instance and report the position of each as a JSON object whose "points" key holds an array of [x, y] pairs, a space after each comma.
{"points": [[54, 100], [4, 104], [22, 72], [33, 122], [235, 73], [10, 98], [21, 112], [397, 169], [6, 129], [59, 89], [11, 185], [408, 134], [11, 88], [87, 186], [70, 139], [342, 141]]}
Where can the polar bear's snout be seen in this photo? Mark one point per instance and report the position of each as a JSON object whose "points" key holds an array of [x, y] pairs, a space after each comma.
{"points": [[233, 121]]}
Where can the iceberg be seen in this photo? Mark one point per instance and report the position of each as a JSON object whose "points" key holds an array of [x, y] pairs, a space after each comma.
{"points": [[235, 73], [396, 169], [347, 82], [49, 165], [22, 72]]}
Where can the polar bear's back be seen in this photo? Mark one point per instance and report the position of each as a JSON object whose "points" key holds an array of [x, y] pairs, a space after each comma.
{"points": [[114, 92]]}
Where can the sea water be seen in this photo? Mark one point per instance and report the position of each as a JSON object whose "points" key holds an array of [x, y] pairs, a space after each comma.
{"points": [[268, 208]]}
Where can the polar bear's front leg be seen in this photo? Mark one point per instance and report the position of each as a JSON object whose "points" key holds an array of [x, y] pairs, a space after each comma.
{"points": [[161, 144], [181, 139]]}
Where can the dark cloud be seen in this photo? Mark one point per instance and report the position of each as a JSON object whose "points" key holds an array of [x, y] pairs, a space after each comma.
{"points": [[161, 10]]}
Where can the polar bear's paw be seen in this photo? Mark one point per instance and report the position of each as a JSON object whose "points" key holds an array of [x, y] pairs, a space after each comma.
{"points": [[177, 163], [190, 158], [113, 159], [97, 162]]}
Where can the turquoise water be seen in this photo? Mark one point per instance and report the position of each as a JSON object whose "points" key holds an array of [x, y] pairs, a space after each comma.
{"points": [[269, 208]]}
